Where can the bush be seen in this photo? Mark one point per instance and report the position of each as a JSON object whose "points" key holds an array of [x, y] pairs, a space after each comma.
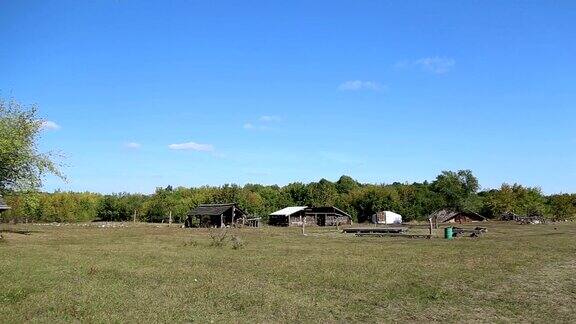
{"points": [[218, 238], [237, 242]]}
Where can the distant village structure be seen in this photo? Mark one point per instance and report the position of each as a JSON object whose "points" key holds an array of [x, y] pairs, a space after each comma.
{"points": [[387, 217], [319, 216], [3, 206], [449, 216], [216, 215], [522, 219]]}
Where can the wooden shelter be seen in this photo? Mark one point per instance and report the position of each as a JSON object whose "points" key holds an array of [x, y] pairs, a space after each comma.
{"points": [[289, 216], [215, 215], [3, 206], [320, 216], [450, 216]]}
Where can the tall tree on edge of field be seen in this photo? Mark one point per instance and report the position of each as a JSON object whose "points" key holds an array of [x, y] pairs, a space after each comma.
{"points": [[458, 190], [22, 165]]}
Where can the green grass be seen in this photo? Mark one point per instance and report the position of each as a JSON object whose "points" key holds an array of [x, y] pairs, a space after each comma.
{"points": [[145, 273]]}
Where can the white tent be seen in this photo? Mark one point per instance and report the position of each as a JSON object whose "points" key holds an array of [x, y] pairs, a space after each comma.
{"points": [[387, 217]]}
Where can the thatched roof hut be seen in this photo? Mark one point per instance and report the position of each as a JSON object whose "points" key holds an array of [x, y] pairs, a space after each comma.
{"points": [[450, 216], [215, 215]]}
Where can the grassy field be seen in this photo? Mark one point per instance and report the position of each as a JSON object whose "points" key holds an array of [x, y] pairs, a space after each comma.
{"points": [[145, 273]]}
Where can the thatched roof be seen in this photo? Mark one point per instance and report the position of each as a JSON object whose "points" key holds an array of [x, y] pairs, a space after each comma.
{"points": [[3, 205], [445, 215], [214, 210]]}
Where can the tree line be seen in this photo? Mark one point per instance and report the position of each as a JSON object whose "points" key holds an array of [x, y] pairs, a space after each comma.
{"points": [[456, 190], [23, 167]]}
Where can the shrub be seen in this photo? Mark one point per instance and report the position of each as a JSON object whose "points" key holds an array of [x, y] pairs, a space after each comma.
{"points": [[237, 242], [218, 238]]}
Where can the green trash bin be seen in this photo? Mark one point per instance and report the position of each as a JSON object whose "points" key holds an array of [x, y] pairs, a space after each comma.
{"points": [[448, 233]]}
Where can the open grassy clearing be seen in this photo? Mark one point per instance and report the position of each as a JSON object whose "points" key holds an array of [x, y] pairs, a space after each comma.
{"points": [[145, 273]]}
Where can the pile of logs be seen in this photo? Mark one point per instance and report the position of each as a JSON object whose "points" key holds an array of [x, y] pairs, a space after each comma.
{"points": [[476, 232]]}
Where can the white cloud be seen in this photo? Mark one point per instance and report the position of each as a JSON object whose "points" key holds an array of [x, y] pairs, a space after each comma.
{"points": [[49, 125], [356, 85], [436, 65], [263, 123], [133, 145], [192, 147], [270, 119]]}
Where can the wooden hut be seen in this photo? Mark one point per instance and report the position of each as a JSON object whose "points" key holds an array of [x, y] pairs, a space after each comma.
{"points": [[289, 216], [450, 216], [3, 206], [320, 216], [215, 215]]}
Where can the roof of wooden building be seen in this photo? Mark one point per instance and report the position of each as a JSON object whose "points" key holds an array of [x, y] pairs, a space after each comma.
{"points": [[288, 211], [445, 215], [214, 210], [328, 209]]}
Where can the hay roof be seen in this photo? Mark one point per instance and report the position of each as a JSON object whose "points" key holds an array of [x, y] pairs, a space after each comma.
{"points": [[214, 210], [445, 215]]}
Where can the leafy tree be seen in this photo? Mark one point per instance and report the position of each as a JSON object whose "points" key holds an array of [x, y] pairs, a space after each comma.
{"points": [[22, 166], [346, 184], [322, 193], [457, 189], [563, 207]]}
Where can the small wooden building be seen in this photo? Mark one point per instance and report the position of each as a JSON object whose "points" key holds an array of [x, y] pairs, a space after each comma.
{"points": [[449, 216], [215, 215], [3, 206], [289, 216], [319, 216]]}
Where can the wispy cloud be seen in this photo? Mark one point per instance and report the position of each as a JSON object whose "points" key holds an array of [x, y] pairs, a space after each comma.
{"points": [[192, 146], [436, 65], [133, 145], [357, 85], [49, 125], [270, 119], [263, 123]]}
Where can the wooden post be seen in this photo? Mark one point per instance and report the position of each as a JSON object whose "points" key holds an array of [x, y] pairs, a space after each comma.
{"points": [[304, 226], [233, 212], [170, 219], [430, 219], [222, 221], [134, 215]]}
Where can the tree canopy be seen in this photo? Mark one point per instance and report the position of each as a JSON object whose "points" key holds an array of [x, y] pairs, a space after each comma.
{"points": [[22, 165], [414, 201]]}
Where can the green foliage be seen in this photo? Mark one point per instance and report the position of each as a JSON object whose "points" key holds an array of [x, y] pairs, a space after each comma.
{"points": [[457, 190], [562, 207], [22, 166], [514, 199]]}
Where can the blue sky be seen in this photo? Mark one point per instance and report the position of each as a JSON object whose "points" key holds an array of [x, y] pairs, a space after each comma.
{"points": [[146, 94]]}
